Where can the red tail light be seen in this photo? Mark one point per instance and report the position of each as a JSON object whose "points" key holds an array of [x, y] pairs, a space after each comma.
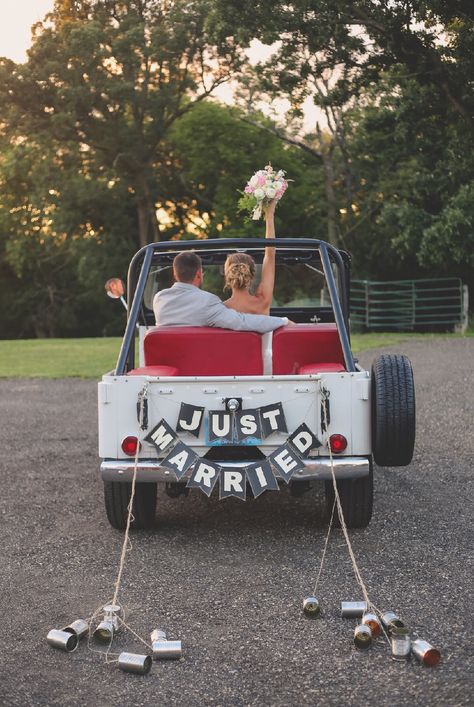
{"points": [[338, 443], [130, 445]]}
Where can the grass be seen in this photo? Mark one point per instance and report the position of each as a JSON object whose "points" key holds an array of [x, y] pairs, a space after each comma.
{"points": [[91, 358]]}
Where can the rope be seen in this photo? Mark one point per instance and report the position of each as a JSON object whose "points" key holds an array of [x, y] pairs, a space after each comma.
{"points": [[337, 501], [126, 546], [324, 549]]}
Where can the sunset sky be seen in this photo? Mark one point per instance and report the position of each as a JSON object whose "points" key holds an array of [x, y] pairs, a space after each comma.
{"points": [[16, 18]]}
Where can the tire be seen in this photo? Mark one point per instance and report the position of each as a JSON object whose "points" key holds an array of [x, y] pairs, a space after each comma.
{"points": [[393, 410], [117, 498], [356, 500]]}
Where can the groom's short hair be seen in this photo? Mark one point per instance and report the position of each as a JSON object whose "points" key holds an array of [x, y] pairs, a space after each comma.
{"points": [[186, 265]]}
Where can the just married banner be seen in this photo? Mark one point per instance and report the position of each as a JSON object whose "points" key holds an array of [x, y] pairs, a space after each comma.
{"points": [[224, 428]]}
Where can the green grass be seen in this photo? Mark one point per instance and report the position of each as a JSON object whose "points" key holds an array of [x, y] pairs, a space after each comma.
{"points": [[58, 358], [91, 358]]}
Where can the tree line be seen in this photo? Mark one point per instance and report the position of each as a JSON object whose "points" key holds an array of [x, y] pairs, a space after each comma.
{"points": [[111, 138]]}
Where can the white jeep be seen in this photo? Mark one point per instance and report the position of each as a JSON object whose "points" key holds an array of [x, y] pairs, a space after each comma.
{"points": [[210, 407]]}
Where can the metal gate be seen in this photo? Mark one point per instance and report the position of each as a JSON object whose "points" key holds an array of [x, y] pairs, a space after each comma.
{"points": [[409, 305]]}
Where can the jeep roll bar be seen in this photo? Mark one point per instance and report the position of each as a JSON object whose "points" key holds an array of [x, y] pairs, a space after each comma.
{"points": [[142, 260]]}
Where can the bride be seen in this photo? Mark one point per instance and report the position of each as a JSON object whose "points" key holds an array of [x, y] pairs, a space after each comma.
{"points": [[239, 273]]}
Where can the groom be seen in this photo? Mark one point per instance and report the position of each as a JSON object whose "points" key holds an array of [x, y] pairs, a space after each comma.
{"points": [[185, 304]]}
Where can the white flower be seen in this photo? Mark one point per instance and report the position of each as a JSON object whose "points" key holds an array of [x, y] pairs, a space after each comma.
{"points": [[270, 192], [259, 194], [254, 181]]}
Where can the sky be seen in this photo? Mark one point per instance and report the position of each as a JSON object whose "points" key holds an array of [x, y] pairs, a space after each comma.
{"points": [[17, 17]]}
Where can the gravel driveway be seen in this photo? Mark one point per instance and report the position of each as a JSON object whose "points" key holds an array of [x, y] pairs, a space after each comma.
{"points": [[228, 578]]}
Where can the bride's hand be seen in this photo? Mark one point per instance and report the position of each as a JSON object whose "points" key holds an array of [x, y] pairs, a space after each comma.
{"points": [[270, 208]]}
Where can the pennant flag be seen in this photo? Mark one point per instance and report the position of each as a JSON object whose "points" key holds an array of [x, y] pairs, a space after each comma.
{"points": [[204, 476], [179, 459], [162, 436], [220, 426], [273, 419], [286, 461], [248, 425], [190, 419], [260, 477], [232, 483], [303, 440]]}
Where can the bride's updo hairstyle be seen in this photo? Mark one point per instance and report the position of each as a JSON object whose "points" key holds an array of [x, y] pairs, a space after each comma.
{"points": [[239, 271]]}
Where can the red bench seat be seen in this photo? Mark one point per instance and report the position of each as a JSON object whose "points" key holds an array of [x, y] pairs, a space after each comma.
{"points": [[204, 351], [307, 348]]}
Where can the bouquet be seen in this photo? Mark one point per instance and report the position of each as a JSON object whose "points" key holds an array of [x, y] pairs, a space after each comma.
{"points": [[265, 185]]}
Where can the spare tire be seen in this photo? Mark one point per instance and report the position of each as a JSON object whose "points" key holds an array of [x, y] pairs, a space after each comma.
{"points": [[393, 410]]}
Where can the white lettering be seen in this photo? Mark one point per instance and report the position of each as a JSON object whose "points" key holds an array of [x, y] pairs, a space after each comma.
{"points": [[302, 441], [218, 431], [285, 461], [271, 416], [233, 481], [261, 476], [204, 474], [248, 424], [195, 421], [161, 437], [179, 461]]}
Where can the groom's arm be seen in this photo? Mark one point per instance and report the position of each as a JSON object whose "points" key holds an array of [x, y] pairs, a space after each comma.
{"points": [[221, 316]]}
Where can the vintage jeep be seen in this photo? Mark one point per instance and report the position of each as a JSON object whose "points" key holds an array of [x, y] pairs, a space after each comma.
{"points": [[234, 405]]}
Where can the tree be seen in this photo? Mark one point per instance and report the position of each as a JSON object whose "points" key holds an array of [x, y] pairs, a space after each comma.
{"points": [[110, 79]]}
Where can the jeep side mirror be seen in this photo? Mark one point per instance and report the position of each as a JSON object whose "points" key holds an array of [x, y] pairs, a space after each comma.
{"points": [[115, 289]]}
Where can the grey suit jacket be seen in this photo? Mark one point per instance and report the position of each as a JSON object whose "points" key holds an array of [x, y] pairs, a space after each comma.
{"points": [[187, 305]]}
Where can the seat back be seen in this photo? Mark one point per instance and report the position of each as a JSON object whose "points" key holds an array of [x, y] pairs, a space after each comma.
{"points": [[204, 351], [306, 345]]}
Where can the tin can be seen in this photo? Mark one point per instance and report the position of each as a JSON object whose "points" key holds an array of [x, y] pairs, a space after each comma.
{"points": [[112, 613], [311, 607], [353, 609], [79, 627], [166, 650], [134, 663], [63, 640], [391, 620], [104, 632], [400, 642], [362, 636], [371, 620], [425, 652], [157, 635]]}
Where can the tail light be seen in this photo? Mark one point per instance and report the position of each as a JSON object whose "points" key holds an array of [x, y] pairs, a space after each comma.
{"points": [[338, 443], [130, 446]]}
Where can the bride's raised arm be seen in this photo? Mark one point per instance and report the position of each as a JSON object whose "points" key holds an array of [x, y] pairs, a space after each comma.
{"points": [[265, 289]]}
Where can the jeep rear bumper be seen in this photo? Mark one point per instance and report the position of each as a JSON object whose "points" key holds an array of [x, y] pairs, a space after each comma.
{"points": [[320, 468]]}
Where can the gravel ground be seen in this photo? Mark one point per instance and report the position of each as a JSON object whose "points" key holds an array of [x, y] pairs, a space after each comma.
{"points": [[228, 578]]}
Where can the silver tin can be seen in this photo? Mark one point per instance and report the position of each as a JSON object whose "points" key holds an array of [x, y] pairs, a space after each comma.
{"points": [[353, 609], [79, 627], [63, 640], [104, 632], [425, 652], [166, 650], [362, 636], [311, 607], [158, 635], [400, 642], [112, 614], [391, 620], [371, 620], [134, 663]]}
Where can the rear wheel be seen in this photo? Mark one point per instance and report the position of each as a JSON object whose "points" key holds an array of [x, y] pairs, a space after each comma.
{"points": [[117, 497], [356, 497], [393, 410]]}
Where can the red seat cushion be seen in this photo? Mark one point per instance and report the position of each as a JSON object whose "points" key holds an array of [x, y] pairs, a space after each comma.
{"points": [[154, 371], [205, 351], [321, 368], [305, 344]]}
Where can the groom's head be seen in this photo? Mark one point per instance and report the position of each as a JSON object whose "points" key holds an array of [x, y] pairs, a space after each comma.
{"points": [[187, 267]]}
